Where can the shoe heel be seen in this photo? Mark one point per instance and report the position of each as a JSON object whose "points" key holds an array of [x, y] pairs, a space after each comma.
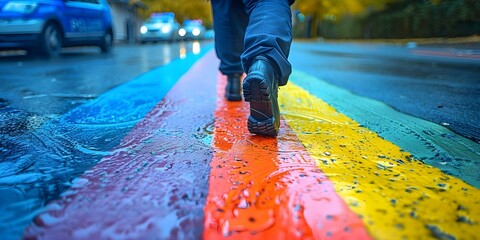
{"points": [[266, 127], [255, 89]]}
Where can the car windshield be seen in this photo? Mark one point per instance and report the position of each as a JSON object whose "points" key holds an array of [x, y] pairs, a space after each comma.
{"points": [[160, 20], [193, 23]]}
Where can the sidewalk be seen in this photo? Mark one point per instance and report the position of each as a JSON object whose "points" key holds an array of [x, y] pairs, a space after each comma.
{"points": [[341, 167]]}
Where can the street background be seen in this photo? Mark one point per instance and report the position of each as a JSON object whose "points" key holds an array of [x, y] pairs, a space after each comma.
{"points": [[380, 135]]}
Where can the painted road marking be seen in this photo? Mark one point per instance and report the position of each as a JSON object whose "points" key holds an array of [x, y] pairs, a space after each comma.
{"points": [[430, 142], [269, 188], [62, 149], [396, 196], [154, 183]]}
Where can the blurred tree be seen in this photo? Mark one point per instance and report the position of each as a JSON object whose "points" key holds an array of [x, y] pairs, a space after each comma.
{"points": [[426, 18], [183, 9], [334, 10], [391, 18]]}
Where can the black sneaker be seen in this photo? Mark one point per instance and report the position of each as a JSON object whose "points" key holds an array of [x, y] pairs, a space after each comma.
{"points": [[233, 92], [260, 88]]}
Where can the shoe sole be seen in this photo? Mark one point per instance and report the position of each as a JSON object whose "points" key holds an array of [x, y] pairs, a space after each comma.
{"points": [[261, 120]]}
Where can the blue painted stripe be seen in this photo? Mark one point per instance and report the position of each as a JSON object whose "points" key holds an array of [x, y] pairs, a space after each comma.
{"points": [[426, 141], [131, 101]]}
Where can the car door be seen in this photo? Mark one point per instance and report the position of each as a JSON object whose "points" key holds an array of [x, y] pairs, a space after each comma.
{"points": [[85, 19], [75, 23], [93, 15]]}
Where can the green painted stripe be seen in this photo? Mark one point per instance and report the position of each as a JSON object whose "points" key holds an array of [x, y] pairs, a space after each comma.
{"points": [[427, 141]]}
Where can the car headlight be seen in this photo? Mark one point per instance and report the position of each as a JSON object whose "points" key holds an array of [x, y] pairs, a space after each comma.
{"points": [[166, 29], [21, 7], [143, 29], [182, 32], [196, 32]]}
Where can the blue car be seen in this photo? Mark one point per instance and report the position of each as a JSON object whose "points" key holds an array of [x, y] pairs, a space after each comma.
{"points": [[45, 26]]}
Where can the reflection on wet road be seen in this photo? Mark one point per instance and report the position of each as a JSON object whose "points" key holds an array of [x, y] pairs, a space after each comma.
{"points": [[165, 156]]}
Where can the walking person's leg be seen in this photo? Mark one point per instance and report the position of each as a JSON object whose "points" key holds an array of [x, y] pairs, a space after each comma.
{"points": [[265, 59], [230, 21]]}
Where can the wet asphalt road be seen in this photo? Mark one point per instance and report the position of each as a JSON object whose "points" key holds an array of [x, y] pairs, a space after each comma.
{"points": [[50, 87], [436, 82], [440, 83]]}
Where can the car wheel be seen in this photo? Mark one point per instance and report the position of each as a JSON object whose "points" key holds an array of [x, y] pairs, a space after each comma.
{"points": [[107, 43], [51, 40]]}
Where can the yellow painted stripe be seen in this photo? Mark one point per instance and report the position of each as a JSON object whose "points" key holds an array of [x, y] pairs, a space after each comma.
{"points": [[395, 195]]}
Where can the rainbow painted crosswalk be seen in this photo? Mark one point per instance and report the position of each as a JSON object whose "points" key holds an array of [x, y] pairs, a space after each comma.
{"points": [[190, 170]]}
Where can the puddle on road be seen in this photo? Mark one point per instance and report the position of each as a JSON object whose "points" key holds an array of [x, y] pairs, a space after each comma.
{"points": [[205, 134]]}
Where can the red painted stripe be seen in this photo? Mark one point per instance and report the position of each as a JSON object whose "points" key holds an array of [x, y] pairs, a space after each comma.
{"points": [[267, 188], [153, 186]]}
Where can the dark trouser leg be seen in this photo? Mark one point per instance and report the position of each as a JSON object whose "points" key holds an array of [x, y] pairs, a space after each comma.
{"points": [[269, 33], [229, 21]]}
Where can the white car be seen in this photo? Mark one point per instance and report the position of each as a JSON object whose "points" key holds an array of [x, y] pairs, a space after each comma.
{"points": [[160, 27]]}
